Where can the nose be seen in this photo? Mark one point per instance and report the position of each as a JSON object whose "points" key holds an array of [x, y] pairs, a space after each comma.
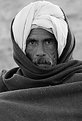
{"points": [[40, 51]]}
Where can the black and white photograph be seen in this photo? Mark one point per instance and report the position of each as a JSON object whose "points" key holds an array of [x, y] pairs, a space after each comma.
{"points": [[40, 60]]}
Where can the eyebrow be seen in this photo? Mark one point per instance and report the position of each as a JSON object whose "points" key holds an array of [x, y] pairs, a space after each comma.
{"points": [[31, 39]]}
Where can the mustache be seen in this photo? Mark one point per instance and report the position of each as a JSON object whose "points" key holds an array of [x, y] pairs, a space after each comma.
{"points": [[42, 60]]}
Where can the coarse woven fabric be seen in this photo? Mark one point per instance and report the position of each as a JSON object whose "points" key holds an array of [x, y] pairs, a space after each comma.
{"points": [[49, 103]]}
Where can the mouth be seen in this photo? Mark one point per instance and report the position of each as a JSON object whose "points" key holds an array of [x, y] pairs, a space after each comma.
{"points": [[44, 63]]}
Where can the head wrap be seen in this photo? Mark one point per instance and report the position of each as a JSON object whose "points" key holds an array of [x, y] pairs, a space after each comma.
{"points": [[40, 14], [20, 30]]}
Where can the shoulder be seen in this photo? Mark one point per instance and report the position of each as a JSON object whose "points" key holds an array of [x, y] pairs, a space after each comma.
{"points": [[2, 85], [6, 75]]}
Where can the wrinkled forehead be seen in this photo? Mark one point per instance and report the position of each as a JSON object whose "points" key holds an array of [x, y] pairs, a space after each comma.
{"points": [[40, 34]]}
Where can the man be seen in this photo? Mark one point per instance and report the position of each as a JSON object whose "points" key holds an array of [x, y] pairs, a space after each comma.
{"points": [[47, 85]]}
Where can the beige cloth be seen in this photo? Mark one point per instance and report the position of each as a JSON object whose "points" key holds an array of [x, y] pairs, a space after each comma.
{"points": [[43, 14]]}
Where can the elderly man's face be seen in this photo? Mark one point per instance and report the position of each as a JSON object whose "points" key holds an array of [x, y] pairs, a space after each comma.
{"points": [[42, 48]]}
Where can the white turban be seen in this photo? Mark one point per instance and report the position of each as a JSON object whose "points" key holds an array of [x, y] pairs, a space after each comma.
{"points": [[45, 15]]}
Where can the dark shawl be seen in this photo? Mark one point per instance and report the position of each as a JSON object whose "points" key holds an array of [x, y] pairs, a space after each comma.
{"points": [[33, 94]]}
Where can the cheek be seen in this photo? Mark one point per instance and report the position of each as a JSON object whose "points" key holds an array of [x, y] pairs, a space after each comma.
{"points": [[31, 52], [51, 51]]}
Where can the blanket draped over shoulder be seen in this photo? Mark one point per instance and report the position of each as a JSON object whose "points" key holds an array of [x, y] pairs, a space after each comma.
{"points": [[29, 93]]}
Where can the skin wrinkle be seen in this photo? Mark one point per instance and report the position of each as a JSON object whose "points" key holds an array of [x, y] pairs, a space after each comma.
{"points": [[42, 48]]}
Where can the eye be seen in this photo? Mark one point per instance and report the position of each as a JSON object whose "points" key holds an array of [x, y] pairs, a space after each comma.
{"points": [[32, 42], [48, 42]]}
